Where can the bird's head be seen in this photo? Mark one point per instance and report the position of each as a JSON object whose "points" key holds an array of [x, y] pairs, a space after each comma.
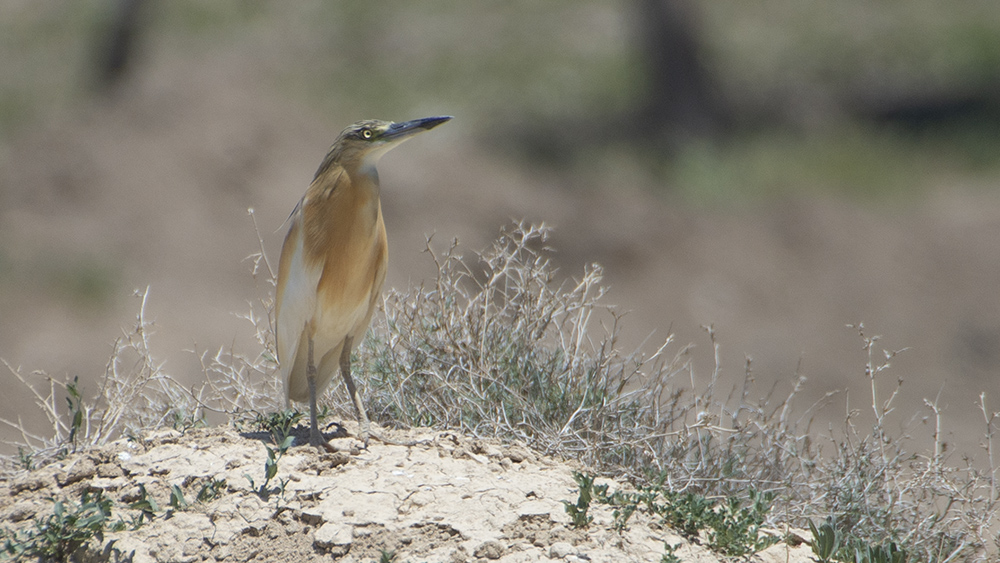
{"points": [[361, 144]]}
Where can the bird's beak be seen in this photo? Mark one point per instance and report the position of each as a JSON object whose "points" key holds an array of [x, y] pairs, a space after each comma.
{"points": [[400, 131]]}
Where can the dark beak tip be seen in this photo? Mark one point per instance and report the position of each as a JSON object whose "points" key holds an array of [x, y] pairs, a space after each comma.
{"points": [[408, 128], [429, 122]]}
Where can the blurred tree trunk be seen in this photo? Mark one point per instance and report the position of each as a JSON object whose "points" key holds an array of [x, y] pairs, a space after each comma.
{"points": [[681, 100], [117, 42]]}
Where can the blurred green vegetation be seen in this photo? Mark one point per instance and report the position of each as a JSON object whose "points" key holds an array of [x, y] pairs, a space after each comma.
{"points": [[44, 51], [764, 46], [88, 284], [865, 162], [803, 72]]}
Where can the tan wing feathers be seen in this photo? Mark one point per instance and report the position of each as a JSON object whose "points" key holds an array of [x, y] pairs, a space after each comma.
{"points": [[326, 290]]}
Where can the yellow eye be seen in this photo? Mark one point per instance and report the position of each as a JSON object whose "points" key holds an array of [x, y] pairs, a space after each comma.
{"points": [[366, 133]]}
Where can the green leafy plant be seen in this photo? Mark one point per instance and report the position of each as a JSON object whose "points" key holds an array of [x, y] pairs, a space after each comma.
{"points": [[75, 401], [25, 459], [58, 536], [888, 552], [146, 505], [670, 553], [270, 470], [688, 513], [578, 511], [735, 530], [177, 501], [279, 424], [831, 544], [183, 420], [211, 490], [826, 540]]}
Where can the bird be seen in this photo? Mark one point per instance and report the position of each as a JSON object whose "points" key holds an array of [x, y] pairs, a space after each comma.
{"points": [[333, 264]]}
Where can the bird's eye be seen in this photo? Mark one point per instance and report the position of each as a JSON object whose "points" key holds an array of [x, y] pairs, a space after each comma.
{"points": [[366, 133]]}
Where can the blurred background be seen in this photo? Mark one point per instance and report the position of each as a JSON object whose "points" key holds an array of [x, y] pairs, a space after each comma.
{"points": [[775, 169]]}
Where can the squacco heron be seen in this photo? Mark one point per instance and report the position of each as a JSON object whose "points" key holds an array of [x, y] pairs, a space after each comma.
{"points": [[333, 264]]}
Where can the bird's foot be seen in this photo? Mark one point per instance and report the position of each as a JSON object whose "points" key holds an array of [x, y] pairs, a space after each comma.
{"points": [[317, 440]]}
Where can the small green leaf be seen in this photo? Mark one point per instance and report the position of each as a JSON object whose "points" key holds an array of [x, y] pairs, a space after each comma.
{"points": [[177, 498]]}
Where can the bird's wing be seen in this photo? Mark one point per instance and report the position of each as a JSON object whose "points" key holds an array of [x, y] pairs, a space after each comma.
{"points": [[294, 307]]}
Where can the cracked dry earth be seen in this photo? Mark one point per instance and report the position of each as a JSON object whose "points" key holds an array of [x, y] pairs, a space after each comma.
{"points": [[444, 498]]}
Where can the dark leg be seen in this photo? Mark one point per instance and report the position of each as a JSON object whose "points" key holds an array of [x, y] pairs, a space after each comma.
{"points": [[359, 408], [315, 436]]}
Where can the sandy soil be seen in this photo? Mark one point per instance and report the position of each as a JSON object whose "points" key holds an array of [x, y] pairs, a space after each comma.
{"points": [[446, 498]]}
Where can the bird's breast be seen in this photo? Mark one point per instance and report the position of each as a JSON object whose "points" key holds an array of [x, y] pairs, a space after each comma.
{"points": [[353, 267]]}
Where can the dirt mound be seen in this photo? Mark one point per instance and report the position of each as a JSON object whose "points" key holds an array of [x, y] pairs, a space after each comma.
{"points": [[444, 497]]}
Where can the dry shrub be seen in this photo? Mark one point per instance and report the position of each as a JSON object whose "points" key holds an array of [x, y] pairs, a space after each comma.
{"points": [[135, 394], [240, 385], [495, 346], [504, 351]]}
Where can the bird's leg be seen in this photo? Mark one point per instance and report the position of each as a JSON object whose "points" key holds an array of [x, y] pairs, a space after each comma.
{"points": [[359, 408], [315, 437]]}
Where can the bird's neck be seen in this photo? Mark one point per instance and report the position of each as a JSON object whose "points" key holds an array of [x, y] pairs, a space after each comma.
{"points": [[365, 188], [365, 175], [349, 193]]}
